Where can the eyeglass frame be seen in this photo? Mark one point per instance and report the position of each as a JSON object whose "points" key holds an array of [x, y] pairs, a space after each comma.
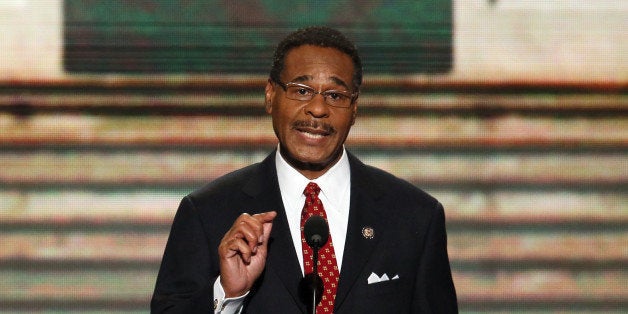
{"points": [[352, 96]]}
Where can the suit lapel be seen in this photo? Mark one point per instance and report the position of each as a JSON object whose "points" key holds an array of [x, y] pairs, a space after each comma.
{"points": [[365, 212], [282, 261]]}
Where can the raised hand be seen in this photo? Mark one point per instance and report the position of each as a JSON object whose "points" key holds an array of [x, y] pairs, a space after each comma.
{"points": [[243, 252]]}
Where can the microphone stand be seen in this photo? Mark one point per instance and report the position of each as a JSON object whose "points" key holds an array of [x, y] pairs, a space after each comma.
{"points": [[313, 281], [316, 233], [317, 279]]}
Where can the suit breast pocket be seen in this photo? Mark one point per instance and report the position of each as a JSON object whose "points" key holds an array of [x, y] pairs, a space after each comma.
{"points": [[392, 296], [391, 287]]}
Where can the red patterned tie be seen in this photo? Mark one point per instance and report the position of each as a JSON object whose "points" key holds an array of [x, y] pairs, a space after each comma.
{"points": [[327, 266]]}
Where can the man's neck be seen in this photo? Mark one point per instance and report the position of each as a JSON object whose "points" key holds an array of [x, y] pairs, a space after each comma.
{"points": [[310, 170]]}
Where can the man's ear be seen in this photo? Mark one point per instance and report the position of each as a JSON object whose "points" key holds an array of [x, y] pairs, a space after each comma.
{"points": [[269, 94]]}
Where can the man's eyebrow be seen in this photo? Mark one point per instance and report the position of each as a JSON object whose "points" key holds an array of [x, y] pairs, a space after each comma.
{"points": [[302, 79], [340, 82], [307, 78]]}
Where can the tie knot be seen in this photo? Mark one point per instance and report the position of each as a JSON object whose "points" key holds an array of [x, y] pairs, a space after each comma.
{"points": [[311, 189]]}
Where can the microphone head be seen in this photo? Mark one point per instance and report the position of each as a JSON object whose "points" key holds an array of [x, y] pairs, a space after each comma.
{"points": [[307, 286], [316, 231]]}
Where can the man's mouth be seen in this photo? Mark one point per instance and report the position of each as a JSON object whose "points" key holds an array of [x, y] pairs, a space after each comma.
{"points": [[313, 136], [313, 129]]}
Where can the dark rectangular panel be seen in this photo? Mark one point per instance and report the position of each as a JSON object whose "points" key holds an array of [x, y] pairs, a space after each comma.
{"points": [[197, 36]]}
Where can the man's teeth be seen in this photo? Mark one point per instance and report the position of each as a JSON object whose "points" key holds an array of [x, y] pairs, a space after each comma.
{"points": [[311, 135]]}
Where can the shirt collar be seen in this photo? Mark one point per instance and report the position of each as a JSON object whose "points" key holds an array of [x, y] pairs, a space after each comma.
{"points": [[334, 183]]}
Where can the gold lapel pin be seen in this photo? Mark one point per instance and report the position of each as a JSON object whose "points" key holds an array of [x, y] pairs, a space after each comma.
{"points": [[368, 233]]}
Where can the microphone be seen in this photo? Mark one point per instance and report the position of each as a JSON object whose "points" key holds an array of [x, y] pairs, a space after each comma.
{"points": [[316, 233], [311, 291]]}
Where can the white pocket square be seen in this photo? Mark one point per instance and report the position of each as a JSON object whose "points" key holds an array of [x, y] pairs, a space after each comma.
{"points": [[374, 278]]}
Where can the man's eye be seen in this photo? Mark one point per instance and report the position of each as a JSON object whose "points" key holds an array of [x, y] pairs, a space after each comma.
{"points": [[304, 91], [336, 96]]}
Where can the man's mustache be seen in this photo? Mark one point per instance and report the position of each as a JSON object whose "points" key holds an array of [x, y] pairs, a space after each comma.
{"points": [[327, 128]]}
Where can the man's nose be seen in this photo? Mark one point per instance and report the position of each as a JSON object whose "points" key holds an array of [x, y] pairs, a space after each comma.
{"points": [[317, 107]]}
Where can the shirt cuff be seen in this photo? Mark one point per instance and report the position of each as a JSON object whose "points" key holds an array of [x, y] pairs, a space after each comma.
{"points": [[223, 305]]}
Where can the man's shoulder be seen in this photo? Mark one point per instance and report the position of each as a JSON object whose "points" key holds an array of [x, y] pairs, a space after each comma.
{"points": [[235, 180]]}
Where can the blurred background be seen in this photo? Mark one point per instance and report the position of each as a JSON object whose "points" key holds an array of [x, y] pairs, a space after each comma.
{"points": [[513, 113]]}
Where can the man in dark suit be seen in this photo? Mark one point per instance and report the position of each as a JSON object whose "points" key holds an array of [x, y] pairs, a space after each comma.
{"points": [[235, 244]]}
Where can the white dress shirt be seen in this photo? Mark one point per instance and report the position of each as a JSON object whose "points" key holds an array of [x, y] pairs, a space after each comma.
{"points": [[335, 187]]}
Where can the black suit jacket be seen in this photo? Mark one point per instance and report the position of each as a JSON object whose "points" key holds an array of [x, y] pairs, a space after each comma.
{"points": [[409, 241]]}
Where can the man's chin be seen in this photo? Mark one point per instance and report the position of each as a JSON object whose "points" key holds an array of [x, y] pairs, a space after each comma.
{"points": [[311, 166], [308, 162]]}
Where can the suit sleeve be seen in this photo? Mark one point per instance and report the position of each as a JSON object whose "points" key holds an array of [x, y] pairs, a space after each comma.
{"points": [[435, 291], [188, 268]]}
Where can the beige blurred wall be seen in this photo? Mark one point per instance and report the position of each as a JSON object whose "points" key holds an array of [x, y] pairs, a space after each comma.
{"points": [[31, 36], [560, 40], [541, 40]]}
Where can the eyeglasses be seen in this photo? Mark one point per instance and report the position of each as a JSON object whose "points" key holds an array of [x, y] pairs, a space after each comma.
{"points": [[302, 92]]}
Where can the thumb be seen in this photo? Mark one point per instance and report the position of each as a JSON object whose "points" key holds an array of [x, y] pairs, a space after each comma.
{"points": [[268, 224], [266, 216]]}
